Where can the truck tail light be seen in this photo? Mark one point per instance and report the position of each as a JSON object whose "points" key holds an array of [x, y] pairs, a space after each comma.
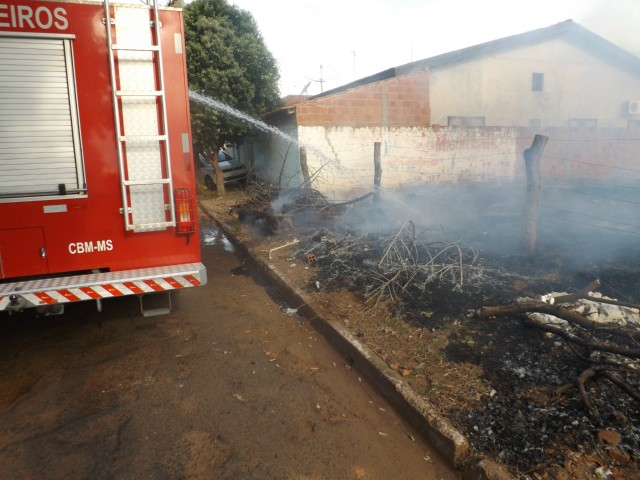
{"points": [[185, 211]]}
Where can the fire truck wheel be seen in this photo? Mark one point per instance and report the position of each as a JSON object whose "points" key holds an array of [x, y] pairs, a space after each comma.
{"points": [[210, 182]]}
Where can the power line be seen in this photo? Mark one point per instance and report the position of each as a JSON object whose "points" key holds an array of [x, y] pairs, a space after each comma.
{"points": [[592, 164], [606, 220], [566, 190], [562, 221]]}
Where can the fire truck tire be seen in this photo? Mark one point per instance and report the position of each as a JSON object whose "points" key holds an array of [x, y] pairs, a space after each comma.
{"points": [[210, 182]]}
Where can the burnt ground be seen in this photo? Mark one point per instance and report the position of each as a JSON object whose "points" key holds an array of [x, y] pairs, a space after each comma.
{"points": [[493, 379]]}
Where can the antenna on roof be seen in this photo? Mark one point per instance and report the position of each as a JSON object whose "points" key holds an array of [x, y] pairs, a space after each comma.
{"points": [[354, 63], [306, 87], [322, 80]]}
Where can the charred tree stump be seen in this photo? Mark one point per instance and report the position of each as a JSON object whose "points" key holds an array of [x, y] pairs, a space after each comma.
{"points": [[304, 167], [532, 158], [377, 176]]}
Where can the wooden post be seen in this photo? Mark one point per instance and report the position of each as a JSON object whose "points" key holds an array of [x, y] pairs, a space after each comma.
{"points": [[377, 175], [532, 159], [219, 174], [304, 167]]}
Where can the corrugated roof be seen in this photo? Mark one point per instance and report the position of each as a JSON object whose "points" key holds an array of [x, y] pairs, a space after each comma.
{"points": [[568, 30]]}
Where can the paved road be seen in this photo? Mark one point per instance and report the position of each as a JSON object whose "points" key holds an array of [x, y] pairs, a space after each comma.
{"points": [[225, 387]]}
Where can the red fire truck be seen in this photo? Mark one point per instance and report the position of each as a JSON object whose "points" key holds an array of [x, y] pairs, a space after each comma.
{"points": [[96, 171]]}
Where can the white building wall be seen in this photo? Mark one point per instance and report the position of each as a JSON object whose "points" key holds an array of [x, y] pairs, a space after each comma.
{"points": [[277, 158], [577, 84]]}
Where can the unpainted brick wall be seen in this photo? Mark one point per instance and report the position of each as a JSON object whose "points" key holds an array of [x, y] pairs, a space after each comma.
{"points": [[396, 102]]}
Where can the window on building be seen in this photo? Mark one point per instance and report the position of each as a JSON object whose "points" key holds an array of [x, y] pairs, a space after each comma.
{"points": [[40, 151], [583, 122], [537, 82], [465, 121]]}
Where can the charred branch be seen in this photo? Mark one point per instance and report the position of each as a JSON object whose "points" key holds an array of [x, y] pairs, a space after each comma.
{"points": [[593, 374], [621, 384], [579, 383], [559, 312], [593, 345], [582, 293], [354, 200], [609, 349], [408, 261]]}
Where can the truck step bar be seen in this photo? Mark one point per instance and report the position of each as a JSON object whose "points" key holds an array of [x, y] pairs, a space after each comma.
{"points": [[17, 296]]}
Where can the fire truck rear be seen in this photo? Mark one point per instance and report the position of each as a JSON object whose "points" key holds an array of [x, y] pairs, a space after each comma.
{"points": [[96, 171]]}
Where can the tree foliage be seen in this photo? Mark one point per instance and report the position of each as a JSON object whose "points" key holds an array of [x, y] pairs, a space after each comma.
{"points": [[228, 61]]}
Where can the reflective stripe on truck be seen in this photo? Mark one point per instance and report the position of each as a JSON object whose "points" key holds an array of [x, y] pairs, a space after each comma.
{"points": [[51, 291]]}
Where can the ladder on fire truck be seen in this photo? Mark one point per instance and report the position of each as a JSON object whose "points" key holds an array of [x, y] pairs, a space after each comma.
{"points": [[140, 113]]}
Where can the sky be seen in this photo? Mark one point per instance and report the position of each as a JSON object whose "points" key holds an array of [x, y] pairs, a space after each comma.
{"points": [[323, 44]]}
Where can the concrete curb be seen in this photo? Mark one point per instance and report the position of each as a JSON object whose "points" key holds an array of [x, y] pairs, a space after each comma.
{"points": [[447, 440]]}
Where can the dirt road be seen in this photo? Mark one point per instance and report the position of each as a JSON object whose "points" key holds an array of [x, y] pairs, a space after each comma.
{"points": [[228, 386]]}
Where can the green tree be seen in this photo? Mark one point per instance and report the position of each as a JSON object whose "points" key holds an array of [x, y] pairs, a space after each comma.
{"points": [[228, 61]]}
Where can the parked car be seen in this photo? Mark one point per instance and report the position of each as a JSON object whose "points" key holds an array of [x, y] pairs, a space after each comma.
{"points": [[232, 169]]}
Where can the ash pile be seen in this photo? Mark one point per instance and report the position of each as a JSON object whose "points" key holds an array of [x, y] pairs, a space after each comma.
{"points": [[411, 272], [556, 385], [563, 368]]}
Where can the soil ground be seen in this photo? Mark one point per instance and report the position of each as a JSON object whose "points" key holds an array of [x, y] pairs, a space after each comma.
{"points": [[493, 379], [227, 386]]}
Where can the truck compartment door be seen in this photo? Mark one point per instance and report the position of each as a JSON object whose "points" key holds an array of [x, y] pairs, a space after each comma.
{"points": [[22, 252], [40, 152]]}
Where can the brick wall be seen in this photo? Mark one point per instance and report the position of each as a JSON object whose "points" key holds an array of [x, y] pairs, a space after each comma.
{"points": [[396, 102]]}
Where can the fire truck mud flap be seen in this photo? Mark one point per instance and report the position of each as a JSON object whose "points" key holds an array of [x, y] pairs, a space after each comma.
{"points": [[17, 296]]}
